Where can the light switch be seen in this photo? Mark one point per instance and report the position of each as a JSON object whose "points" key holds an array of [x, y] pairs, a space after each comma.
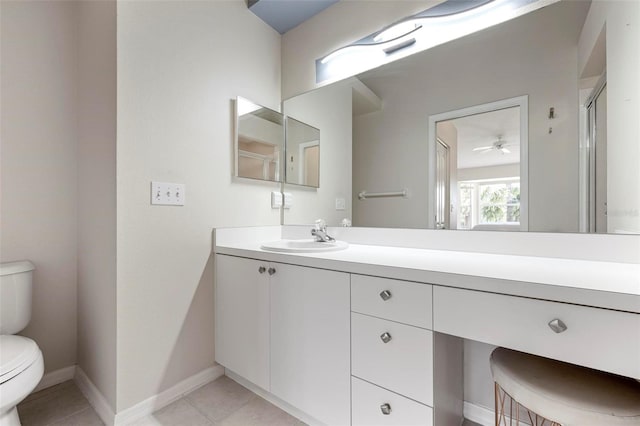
{"points": [[288, 200], [276, 199], [340, 204], [167, 194]]}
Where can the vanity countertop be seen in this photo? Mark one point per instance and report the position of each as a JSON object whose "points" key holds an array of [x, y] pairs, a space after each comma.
{"points": [[610, 285]]}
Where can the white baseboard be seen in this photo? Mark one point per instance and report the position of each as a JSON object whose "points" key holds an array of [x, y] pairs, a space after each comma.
{"points": [[481, 415], [168, 396], [56, 377], [95, 397], [300, 415]]}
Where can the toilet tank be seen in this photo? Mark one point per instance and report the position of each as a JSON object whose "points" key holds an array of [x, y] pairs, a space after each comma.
{"points": [[16, 284]]}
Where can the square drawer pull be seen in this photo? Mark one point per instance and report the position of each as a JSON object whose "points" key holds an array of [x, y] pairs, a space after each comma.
{"points": [[385, 337], [386, 409], [557, 325], [385, 294]]}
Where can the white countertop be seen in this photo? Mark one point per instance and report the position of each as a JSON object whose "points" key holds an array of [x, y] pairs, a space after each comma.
{"points": [[609, 285]]}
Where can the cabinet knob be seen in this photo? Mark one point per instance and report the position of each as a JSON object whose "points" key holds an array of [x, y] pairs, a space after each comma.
{"points": [[262, 269], [386, 295], [272, 271], [386, 409], [385, 337], [557, 325]]}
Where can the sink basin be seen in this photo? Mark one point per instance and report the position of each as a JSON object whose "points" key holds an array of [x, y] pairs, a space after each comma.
{"points": [[304, 246]]}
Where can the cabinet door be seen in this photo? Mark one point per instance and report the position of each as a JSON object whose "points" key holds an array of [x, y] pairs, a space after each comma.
{"points": [[310, 341], [242, 318]]}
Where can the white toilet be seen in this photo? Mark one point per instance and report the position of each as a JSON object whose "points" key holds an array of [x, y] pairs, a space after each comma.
{"points": [[21, 363]]}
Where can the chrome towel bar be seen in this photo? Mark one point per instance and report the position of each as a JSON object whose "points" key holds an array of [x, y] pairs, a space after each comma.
{"points": [[364, 194]]}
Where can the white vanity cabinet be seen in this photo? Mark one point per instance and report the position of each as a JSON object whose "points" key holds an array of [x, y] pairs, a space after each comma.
{"points": [[527, 325], [242, 317], [335, 345], [286, 329], [391, 352]]}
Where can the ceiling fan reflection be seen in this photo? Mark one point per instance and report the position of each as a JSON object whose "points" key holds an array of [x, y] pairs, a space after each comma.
{"points": [[499, 145]]}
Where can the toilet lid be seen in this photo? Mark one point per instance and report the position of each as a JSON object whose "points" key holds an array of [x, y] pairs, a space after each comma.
{"points": [[16, 354]]}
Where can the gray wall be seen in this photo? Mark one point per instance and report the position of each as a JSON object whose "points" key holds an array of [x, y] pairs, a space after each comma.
{"points": [[97, 194], [38, 212], [180, 64], [330, 111]]}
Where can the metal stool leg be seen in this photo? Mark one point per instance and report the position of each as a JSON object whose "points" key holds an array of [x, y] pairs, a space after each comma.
{"points": [[501, 417]]}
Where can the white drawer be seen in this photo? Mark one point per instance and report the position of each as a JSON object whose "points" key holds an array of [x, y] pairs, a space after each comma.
{"points": [[598, 338], [409, 303], [403, 365], [366, 407]]}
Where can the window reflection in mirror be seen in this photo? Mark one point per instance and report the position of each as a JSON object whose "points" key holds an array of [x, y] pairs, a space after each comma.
{"points": [[259, 141], [303, 154]]}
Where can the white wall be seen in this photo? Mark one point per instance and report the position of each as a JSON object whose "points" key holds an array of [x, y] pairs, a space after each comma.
{"points": [[97, 194], [38, 164], [336, 26], [506, 61], [621, 21], [328, 110], [180, 64], [489, 172]]}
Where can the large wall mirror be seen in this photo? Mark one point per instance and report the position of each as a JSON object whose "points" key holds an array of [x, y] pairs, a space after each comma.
{"points": [[576, 65], [259, 142]]}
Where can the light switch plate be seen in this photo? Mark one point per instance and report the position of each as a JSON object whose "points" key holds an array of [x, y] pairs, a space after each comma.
{"points": [[167, 194], [288, 200], [340, 204], [276, 199]]}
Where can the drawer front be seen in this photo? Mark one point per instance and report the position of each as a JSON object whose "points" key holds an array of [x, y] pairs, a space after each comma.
{"points": [[367, 401], [404, 364], [597, 338], [406, 302]]}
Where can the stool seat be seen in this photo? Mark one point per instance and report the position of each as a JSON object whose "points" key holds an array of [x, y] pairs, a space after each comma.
{"points": [[566, 393]]}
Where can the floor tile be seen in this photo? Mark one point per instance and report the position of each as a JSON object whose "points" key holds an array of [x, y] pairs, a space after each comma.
{"points": [[220, 398], [51, 405], [179, 413], [259, 412], [86, 417]]}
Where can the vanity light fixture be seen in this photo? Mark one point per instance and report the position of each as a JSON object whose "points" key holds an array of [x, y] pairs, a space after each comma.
{"points": [[387, 43], [444, 22]]}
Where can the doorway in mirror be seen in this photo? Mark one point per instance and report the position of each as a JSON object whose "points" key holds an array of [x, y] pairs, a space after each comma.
{"points": [[480, 180]]}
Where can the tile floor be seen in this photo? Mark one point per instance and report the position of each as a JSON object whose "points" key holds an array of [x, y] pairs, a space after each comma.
{"points": [[222, 402]]}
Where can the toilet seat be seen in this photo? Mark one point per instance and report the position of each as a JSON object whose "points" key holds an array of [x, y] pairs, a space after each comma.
{"points": [[17, 353]]}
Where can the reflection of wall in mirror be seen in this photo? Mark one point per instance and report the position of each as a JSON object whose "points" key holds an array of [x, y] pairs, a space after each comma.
{"points": [[330, 111], [257, 160], [300, 135], [509, 60], [260, 142], [619, 23], [311, 165], [448, 134]]}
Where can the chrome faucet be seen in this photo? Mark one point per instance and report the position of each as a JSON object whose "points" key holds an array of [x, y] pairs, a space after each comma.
{"points": [[320, 232]]}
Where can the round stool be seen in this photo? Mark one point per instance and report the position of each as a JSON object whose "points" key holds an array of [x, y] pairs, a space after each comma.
{"points": [[556, 393]]}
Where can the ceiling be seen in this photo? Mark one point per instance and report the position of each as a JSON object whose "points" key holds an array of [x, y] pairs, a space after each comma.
{"points": [[283, 15], [481, 130]]}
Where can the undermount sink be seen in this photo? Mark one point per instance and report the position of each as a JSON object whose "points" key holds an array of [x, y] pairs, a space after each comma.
{"points": [[304, 246]]}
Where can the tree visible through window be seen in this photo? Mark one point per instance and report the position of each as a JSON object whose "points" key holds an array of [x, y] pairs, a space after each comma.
{"points": [[489, 202]]}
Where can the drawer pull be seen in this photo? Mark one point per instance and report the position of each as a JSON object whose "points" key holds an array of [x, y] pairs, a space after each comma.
{"points": [[557, 325], [272, 271], [385, 337], [386, 409], [386, 295], [262, 269]]}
